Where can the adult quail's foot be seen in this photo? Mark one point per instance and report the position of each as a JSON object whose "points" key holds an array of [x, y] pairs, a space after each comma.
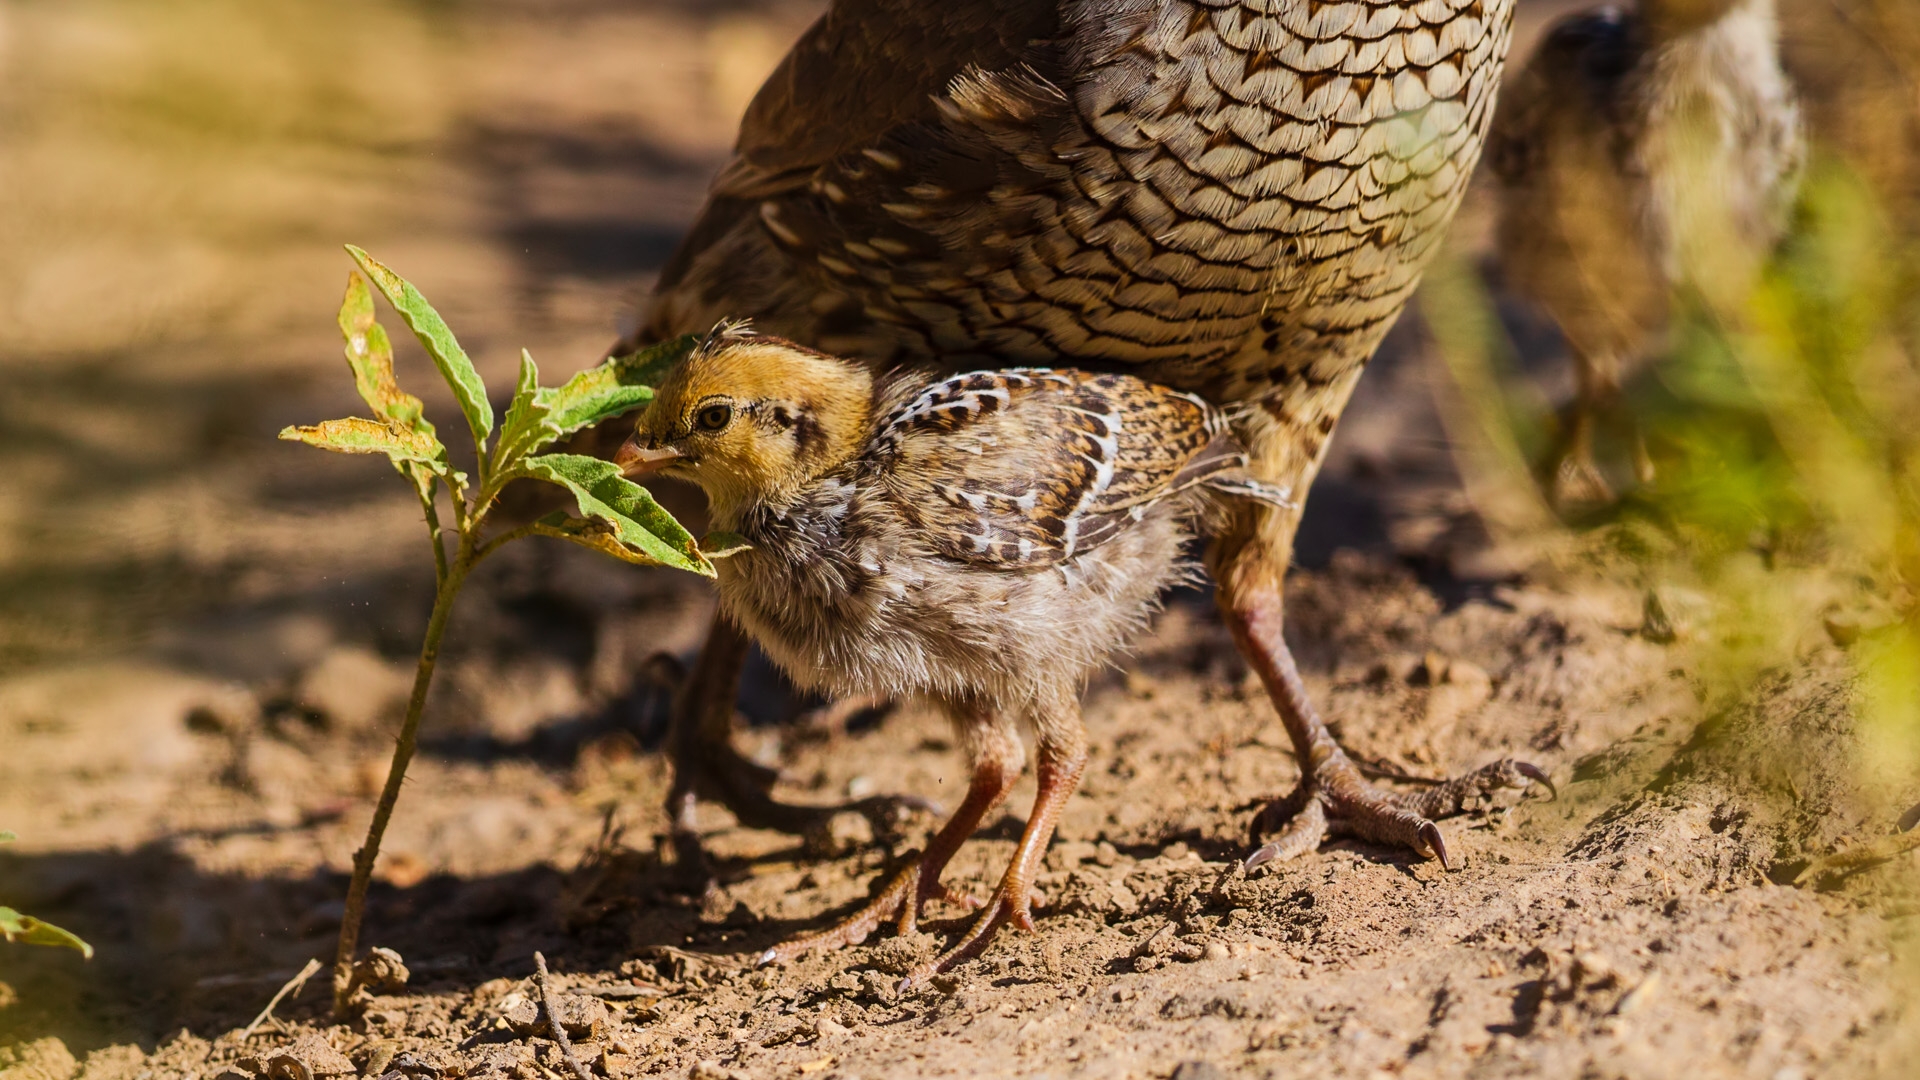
{"points": [[1333, 799]]}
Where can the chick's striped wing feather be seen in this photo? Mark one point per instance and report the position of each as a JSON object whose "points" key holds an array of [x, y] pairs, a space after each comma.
{"points": [[1029, 468]]}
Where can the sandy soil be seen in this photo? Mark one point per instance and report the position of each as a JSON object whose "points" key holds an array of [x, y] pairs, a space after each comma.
{"points": [[205, 637]]}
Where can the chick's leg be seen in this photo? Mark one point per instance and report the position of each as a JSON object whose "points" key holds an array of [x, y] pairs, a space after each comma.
{"points": [[1249, 564], [706, 766], [1062, 761], [995, 755], [1574, 481]]}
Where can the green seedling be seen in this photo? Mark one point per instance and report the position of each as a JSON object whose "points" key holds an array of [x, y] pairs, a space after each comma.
{"points": [[616, 516], [28, 930]]}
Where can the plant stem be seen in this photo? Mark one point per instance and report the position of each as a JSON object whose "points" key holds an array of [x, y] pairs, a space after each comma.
{"points": [[403, 748], [428, 488]]}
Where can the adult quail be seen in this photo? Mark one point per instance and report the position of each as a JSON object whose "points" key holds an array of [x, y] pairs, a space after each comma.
{"points": [[1234, 198], [1641, 153], [982, 542]]}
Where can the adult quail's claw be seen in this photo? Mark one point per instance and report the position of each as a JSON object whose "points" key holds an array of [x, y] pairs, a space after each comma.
{"points": [[1432, 845], [1302, 824], [1539, 776]]}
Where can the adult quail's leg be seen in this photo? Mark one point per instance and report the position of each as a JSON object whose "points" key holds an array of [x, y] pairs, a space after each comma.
{"points": [[995, 755], [706, 766], [1332, 796], [1062, 760]]}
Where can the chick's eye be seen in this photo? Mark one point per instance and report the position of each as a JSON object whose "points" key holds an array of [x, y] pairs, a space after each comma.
{"points": [[714, 417]]}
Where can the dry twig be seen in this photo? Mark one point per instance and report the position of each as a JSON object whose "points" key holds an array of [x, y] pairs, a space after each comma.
{"points": [[555, 1027], [292, 987]]}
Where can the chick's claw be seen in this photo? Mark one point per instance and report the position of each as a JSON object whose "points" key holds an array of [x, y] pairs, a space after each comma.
{"points": [[900, 902], [999, 912]]}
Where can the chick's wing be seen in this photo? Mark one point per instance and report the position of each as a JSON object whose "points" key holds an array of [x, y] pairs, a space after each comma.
{"points": [[1028, 469]]}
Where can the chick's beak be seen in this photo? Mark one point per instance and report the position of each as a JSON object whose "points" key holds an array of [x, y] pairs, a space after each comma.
{"points": [[637, 460]]}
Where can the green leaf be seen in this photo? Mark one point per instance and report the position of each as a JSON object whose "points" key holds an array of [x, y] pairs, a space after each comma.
{"points": [[617, 385], [370, 355], [7, 837], [721, 545], [355, 435], [591, 533], [28, 930], [431, 329], [525, 427], [637, 523]]}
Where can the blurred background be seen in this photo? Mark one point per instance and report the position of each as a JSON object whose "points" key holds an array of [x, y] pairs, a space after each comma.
{"points": [[176, 182]]}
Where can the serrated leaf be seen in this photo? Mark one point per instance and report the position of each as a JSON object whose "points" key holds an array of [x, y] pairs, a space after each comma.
{"points": [[638, 523], [721, 545], [617, 385], [370, 356], [357, 435], [431, 329], [28, 930]]}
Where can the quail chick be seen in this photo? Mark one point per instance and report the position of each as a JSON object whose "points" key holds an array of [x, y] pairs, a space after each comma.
{"points": [[982, 542], [1642, 152], [1234, 198]]}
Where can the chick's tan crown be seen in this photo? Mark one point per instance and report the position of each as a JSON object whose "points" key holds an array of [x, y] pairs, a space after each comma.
{"points": [[790, 413]]}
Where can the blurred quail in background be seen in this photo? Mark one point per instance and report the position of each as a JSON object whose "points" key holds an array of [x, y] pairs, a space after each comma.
{"points": [[1642, 153], [1233, 198], [982, 542]]}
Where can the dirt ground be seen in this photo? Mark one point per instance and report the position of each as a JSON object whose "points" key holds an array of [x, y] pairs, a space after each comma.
{"points": [[206, 636]]}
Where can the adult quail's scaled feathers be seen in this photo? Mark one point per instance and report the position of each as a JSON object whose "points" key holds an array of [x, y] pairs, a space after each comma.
{"points": [[1236, 194]]}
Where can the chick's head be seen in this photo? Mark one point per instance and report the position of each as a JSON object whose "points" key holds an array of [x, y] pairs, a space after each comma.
{"points": [[751, 419]]}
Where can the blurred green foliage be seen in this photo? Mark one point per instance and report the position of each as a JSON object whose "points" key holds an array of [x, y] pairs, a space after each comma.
{"points": [[1783, 423], [28, 930]]}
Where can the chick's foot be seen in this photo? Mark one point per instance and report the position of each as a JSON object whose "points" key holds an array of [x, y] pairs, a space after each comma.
{"points": [[1061, 766], [919, 881], [900, 902]]}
